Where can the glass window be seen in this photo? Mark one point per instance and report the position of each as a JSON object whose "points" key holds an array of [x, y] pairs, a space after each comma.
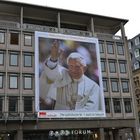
{"points": [[13, 104], [137, 41], [125, 85], [1, 80], [28, 60], [127, 104], [130, 45], [107, 105], [1, 58], [28, 82], [14, 38], [136, 65], [1, 102], [137, 52], [27, 40], [103, 65], [110, 48], [122, 66], [112, 66], [13, 59], [101, 46], [117, 105], [115, 85], [105, 85], [120, 49], [2, 38], [13, 81], [28, 104]]}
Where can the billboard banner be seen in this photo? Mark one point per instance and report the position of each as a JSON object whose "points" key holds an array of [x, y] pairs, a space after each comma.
{"points": [[68, 79]]}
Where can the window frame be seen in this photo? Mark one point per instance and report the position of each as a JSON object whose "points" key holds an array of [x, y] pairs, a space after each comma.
{"points": [[29, 45], [17, 38], [103, 65], [101, 47], [114, 64], [2, 75], [27, 76], [107, 105], [17, 84], [2, 52], [117, 84], [110, 44], [119, 109], [16, 54], [123, 66], [3, 37], [118, 49], [14, 102], [130, 105], [28, 54], [30, 100], [106, 83], [122, 85]]}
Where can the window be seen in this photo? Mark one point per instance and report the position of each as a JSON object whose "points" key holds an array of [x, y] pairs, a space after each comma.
{"points": [[13, 104], [110, 48], [27, 60], [27, 40], [105, 84], [125, 85], [14, 38], [103, 65], [28, 104], [117, 105], [2, 38], [1, 102], [127, 105], [13, 81], [130, 45], [1, 58], [115, 85], [1, 80], [137, 53], [136, 65], [13, 59], [112, 66], [107, 105], [120, 49], [101, 46], [122, 66], [27, 82], [137, 41]]}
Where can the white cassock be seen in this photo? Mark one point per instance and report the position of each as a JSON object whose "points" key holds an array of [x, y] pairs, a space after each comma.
{"points": [[82, 94]]}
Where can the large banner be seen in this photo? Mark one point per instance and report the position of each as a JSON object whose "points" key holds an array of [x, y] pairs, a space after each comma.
{"points": [[68, 79]]}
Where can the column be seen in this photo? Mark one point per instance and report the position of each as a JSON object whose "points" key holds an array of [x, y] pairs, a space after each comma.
{"points": [[19, 135], [102, 137], [58, 22], [92, 26], [123, 31]]}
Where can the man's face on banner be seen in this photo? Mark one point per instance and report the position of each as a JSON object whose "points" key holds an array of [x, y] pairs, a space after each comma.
{"points": [[76, 69]]}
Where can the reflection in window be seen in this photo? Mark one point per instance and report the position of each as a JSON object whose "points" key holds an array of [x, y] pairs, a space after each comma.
{"points": [[127, 104], [27, 60], [27, 81], [1, 80], [14, 38], [112, 66], [13, 104], [120, 49], [1, 58], [28, 104], [110, 49], [122, 66], [27, 40], [13, 81], [103, 65], [117, 105], [101, 46], [13, 59], [125, 85], [115, 85], [107, 105], [2, 38], [105, 84]]}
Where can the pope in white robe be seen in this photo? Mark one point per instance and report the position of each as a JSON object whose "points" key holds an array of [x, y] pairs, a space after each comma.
{"points": [[74, 90]]}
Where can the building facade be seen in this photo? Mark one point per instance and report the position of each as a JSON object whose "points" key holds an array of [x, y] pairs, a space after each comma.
{"points": [[18, 117]]}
